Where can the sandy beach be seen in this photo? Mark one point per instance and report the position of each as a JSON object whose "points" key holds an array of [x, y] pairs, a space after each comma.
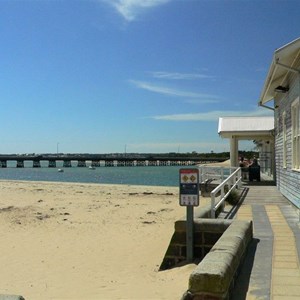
{"points": [[88, 241]]}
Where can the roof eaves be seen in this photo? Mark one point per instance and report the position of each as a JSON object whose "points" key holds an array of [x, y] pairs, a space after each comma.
{"points": [[272, 70], [280, 54]]}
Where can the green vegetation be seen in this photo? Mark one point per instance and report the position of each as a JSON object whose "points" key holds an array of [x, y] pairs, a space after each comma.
{"points": [[233, 198], [225, 155]]}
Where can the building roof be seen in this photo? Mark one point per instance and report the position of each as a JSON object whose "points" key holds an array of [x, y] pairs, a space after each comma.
{"points": [[287, 56], [246, 127]]}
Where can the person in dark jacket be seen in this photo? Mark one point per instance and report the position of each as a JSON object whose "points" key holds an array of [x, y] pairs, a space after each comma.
{"points": [[254, 170]]}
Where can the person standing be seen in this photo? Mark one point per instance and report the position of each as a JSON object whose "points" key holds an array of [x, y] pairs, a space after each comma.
{"points": [[244, 166]]}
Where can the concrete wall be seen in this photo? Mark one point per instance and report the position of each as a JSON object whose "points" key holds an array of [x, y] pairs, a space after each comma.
{"points": [[205, 236], [219, 249], [215, 275], [206, 233]]}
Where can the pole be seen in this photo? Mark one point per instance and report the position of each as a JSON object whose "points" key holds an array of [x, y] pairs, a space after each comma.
{"points": [[189, 197], [190, 233]]}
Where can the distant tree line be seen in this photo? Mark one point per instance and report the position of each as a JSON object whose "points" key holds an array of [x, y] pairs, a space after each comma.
{"points": [[225, 155]]}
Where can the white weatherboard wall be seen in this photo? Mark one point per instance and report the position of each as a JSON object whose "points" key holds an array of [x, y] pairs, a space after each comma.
{"points": [[288, 179], [284, 71]]}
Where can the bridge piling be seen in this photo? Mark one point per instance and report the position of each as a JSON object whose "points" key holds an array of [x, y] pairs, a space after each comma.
{"points": [[109, 163], [52, 164], [36, 164], [67, 164], [95, 163], [3, 164], [20, 163], [152, 163], [141, 163], [81, 164]]}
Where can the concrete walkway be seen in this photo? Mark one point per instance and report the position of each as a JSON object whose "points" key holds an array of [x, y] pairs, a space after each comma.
{"points": [[271, 269]]}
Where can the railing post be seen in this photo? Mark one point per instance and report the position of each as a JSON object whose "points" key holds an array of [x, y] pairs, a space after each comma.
{"points": [[222, 196], [239, 178], [203, 174], [212, 211], [222, 174], [200, 174]]}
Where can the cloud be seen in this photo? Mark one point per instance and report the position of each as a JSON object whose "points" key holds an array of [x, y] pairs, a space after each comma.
{"points": [[203, 98], [180, 76], [129, 9], [211, 115]]}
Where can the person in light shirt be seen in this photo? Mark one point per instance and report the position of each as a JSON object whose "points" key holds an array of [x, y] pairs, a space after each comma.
{"points": [[244, 166]]}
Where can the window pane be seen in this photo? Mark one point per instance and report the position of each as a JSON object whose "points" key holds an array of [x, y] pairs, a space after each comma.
{"points": [[295, 116], [297, 153], [298, 120]]}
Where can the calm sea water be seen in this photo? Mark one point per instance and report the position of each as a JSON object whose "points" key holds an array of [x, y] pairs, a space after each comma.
{"points": [[160, 176]]}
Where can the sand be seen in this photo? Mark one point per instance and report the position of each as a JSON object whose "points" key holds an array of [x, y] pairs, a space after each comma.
{"points": [[225, 164], [88, 241]]}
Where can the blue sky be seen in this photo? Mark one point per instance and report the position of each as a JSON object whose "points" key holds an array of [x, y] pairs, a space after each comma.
{"points": [[103, 76]]}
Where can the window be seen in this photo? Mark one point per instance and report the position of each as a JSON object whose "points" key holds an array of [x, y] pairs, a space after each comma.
{"points": [[277, 126], [295, 135], [284, 140]]}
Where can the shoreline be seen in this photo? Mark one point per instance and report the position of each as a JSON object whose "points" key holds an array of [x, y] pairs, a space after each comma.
{"points": [[103, 176], [84, 183], [69, 240]]}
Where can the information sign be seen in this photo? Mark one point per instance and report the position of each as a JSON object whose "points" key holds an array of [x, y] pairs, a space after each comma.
{"points": [[189, 187]]}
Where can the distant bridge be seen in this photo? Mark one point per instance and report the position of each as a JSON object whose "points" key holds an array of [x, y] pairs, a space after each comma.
{"points": [[107, 160]]}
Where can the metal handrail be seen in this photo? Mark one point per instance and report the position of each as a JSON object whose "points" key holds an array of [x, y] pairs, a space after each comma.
{"points": [[233, 181]]}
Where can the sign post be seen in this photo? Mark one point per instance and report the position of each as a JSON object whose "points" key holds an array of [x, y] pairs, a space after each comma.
{"points": [[189, 197]]}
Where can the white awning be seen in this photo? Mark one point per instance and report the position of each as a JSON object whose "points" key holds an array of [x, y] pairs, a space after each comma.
{"points": [[284, 56], [246, 127]]}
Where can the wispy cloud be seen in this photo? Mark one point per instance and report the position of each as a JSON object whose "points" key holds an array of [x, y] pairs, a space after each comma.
{"points": [[180, 76], [211, 115], [203, 98], [129, 9]]}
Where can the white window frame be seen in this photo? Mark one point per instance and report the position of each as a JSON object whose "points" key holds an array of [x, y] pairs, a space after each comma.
{"points": [[284, 141], [277, 126], [295, 135]]}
